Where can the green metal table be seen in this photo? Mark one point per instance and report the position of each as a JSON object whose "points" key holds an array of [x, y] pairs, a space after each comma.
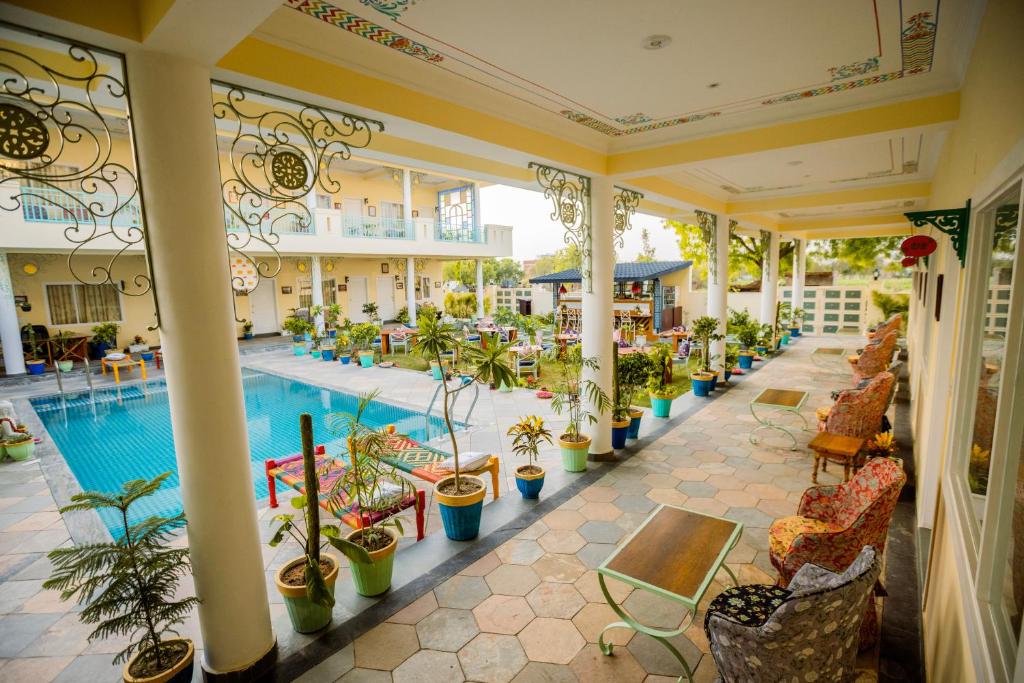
{"points": [[828, 357], [777, 401], [675, 554]]}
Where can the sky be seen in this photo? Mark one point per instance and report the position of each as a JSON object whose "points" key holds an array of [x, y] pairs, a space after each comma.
{"points": [[535, 234]]}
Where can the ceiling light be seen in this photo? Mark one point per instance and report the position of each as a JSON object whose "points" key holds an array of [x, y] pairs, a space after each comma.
{"points": [[656, 42], [797, 162], [714, 85]]}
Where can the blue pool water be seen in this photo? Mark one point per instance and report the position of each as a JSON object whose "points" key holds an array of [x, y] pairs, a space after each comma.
{"points": [[125, 433]]}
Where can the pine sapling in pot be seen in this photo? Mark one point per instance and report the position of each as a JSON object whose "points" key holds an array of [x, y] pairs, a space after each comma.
{"points": [[129, 587]]}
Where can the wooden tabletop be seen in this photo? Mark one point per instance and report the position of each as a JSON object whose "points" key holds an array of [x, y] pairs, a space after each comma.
{"points": [[784, 398], [675, 550], [835, 444]]}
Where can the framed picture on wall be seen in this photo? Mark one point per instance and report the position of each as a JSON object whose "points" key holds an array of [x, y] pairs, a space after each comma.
{"points": [[385, 268], [415, 213], [342, 288], [437, 285], [399, 285], [371, 211], [337, 205], [286, 290]]}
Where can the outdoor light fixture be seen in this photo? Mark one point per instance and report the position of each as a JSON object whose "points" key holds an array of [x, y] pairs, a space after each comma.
{"points": [[637, 288], [657, 42], [562, 289]]}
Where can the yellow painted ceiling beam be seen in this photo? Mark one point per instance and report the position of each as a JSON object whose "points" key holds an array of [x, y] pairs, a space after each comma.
{"points": [[842, 222], [896, 116], [670, 190], [853, 233], [117, 17], [840, 197], [267, 61]]}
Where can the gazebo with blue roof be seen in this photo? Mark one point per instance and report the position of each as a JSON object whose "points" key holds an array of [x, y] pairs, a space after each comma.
{"points": [[645, 292]]}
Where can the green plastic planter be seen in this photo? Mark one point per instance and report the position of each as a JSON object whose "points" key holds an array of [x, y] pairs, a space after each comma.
{"points": [[661, 406], [366, 359], [374, 578], [574, 453], [21, 451], [305, 616]]}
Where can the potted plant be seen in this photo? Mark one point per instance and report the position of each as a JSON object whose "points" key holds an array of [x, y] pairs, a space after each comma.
{"points": [[377, 491], [129, 587], [371, 311], [620, 406], [526, 437], [362, 335], [660, 391], [34, 364], [247, 329], [20, 446], [314, 346], [460, 497], [747, 337], [568, 398], [764, 340], [732, 358], [138, 344], [796, 320], [327, 350], [633, 371], [104, 336], [297, 327], [331, 315], [61, 345], [342, 348], [705, 331]]}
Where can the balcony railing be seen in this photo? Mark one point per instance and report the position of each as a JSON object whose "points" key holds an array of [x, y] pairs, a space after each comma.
{"points": [[47, 205], [283, 222], [377, 227], [459, 231]]}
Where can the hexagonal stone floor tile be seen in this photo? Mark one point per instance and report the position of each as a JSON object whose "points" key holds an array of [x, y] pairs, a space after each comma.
{"points": [[555, 641], [512, 579], [563, 519], [593, 554], [697, 489], [751, 517], [600, 494], [519, 552], [462, 592], [385, 646], [737, 499], [591, 620], [635, 503], [725, 482], [592, 666], [652, 610], [590, 588], [601, 532], [606, 512], [667, 496], [708, 506], [540, 672], [562, 541], [427, 666], [690, 474], [366, 676], [506, 614], [447, 629], [558, 600], [655, 659], [559, 568], [492, 658], [419, 608], [660, 481]]}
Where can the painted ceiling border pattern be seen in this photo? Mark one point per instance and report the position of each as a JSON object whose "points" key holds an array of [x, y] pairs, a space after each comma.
{"points": [[917, 43]]}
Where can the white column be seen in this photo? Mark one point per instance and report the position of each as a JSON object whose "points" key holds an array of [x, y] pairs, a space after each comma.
{"points": [[410, 289], [597, 310], [10, 330], [799, 266], [407, 194], [718, 287], [479, 288], [770, 280], [476, 210], [317, 288], [177, 147]]}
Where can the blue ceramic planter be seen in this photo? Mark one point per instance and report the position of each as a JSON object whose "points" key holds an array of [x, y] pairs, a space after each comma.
{"points": [[147, 355], [785, 337], [661, 407], [366, 360], [761, 350], [795, 331], [714, 382], [332, 334], [619, 435], [315, 353], [746, 362], [299, 349], [297, 338], [529, 485], [35, 368], [701, 387], [728, 374], [307, 337], [327, 354], [345, 360], [633, 431], [435, 370]]}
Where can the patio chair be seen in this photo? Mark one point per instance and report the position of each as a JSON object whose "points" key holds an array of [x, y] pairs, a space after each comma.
{"points": [[875, 358], [400, 339], [288, 471], [539, 341], [428, 464], [859, 411], [890, 325], [805, 632], [527, 363], [469, 336], [833, 523]]}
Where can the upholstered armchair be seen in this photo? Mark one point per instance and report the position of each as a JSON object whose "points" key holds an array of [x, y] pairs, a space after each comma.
{"points": [[890, 325], [805, 632], [874, 358], [833, 523], [858, 412]]}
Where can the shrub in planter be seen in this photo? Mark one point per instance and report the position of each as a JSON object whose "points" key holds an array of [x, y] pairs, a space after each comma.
{"points": [[35, 366], [129, 587], [247, 329], [526, 437], [21, 446], [297, 327], [732, 359], [61, 346], [633, 370], [661, 394], [746, 359], [701, 382], [342, 348], [105, 333], [362, 335], [138, 344], [460, 497], [568, 399]]}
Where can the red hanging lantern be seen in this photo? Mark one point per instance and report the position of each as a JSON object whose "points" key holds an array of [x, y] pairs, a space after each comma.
{"points": [[562, 289], [637, 288], [909, 261], [918, 246]]}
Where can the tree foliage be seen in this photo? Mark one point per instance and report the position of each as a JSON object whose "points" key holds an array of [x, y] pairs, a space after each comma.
{"points": [[646, 254], [496, 272], [565, 258], [746, 253], [858, 255]]}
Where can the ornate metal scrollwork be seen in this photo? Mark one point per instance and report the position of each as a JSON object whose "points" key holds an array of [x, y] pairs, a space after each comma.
{"points": [[570, 196], [952, 222], [624, 206], [280, 151], [62, 106], [707, 223]]}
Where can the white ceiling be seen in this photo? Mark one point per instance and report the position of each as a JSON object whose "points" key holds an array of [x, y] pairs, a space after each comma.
{"points": [[880, 208]]}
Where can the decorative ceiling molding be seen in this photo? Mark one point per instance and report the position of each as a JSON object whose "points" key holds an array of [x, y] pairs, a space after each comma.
{"points": [[916, 54]]}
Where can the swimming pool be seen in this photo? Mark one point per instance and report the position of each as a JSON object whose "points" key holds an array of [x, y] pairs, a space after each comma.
{"points": [[125, 433]]}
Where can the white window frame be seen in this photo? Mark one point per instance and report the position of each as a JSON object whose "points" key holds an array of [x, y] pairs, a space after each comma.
{"points": [[981, 549], [49, 318]]}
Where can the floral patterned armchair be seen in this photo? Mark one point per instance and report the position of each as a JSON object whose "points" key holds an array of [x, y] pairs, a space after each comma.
{"points": [[890, 325], [833, 523], [806, 632], [874, 358], [858, 412]]}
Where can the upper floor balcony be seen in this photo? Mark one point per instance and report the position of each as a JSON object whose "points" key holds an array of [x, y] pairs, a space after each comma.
{"points": [[325, 231]]}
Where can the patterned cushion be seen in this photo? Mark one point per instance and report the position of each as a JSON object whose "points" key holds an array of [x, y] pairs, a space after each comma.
{"points": [[746, 605], [858, 412], [785, 529]]}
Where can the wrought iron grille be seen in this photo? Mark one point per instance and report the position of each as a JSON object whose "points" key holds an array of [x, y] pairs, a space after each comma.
{"points": [[570, 196], [625, 203]]}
